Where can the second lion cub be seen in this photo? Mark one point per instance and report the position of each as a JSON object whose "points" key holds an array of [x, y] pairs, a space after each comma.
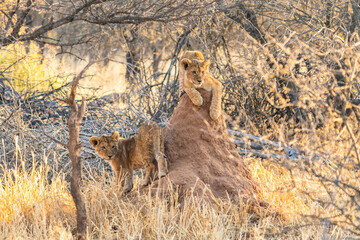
{"points": [[126, 155], [193, 74]]}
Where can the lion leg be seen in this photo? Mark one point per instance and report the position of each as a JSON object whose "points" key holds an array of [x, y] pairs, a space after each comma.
{"points": [[148, 174], [215, 106], [128, 181], [194, 96], [117, 177], [158, 151], [162, 164]]}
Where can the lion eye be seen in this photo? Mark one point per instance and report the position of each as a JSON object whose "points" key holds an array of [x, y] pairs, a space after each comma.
{"points": [[194, 72], [203, 72], [104, 148], [113, 147]]}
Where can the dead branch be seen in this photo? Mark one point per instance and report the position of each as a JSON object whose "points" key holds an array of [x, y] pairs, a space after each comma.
{"points": [[247, 19], [21, 20], [292, 153], [7, 40], [248, 145], [53, 139], [261, 154], [73, 146], [99, 13], [7, 119]]}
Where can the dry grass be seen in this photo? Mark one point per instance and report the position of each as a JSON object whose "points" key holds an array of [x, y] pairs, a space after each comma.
{"points": [[34, 208], [30, 206]]}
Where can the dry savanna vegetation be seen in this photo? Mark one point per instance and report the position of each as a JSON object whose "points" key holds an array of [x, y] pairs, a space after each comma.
{"points": [[290, 74]]}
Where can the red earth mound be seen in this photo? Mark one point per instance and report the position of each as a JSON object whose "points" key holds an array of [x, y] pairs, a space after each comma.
{"points": [[200, 152]]}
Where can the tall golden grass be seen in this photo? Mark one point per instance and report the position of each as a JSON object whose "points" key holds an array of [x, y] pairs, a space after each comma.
{"points": [[31, 207]]}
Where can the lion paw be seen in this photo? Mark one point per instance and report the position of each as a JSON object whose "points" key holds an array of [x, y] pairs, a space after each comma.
{"points": [[162, 174], [128, 189], [214, 114], [198, 101], [144, 182]]}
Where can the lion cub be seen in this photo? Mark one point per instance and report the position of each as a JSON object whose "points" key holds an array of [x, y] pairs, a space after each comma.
{"points": [[144, 150], [193, 74]]}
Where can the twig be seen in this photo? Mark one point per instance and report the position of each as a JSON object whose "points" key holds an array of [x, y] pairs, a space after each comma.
{"points": [[7, 119], [353, 139], [53, 139]]}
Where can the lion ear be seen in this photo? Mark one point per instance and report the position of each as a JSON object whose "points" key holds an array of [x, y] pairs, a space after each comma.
{"points": [[94, 141], [116, 136], [206, 64], [185, 63], [199, 56]]}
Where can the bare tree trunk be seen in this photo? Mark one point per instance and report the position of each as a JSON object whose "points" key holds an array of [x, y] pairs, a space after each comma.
{"points": [[73, 146], [247, 19], [355, 19], [157, 54], [132, 55]]}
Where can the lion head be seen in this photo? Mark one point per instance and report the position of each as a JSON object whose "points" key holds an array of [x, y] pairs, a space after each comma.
{"points": [[195, 71], [106, 146]]}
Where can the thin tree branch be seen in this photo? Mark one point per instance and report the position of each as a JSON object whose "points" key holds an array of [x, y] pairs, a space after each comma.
{"points": [[53, 139], [21, 19]]}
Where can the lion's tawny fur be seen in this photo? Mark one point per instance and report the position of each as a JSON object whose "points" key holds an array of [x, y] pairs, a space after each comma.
{"points": [[146, 149], [193, 74]]}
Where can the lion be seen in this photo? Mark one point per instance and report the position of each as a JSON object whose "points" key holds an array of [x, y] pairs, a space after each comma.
{"points": [[126, 155], [193, 74]]}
